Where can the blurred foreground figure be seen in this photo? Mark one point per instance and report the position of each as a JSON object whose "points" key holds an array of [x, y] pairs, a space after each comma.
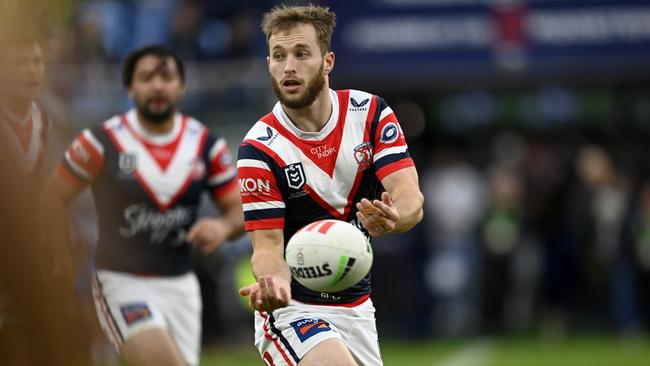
{"points": [[147, 169], [324, 154], [37, 301]]}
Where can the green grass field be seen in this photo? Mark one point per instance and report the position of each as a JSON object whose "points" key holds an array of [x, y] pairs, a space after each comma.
{"points": [[575, 351]]}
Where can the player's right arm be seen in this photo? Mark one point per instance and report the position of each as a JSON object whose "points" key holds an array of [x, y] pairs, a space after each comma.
{"points": [[264, 208], [273, 287], [81, 163]]}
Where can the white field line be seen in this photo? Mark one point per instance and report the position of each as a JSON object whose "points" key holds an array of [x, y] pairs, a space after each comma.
{"points": [[476, 353]]}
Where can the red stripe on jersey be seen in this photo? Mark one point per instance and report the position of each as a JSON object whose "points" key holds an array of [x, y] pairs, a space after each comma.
{"points": [[263, 224], [216, 165], [320, 152], [372, 110], [88, 157], [68, 177], [326, 226], [256, 191], [393, 167], [162, 154]]}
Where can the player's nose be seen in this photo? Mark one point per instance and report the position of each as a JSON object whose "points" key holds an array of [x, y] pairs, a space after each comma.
{"points": [[290, 65]]}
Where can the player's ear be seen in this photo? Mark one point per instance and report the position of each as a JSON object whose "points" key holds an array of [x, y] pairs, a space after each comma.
{"points": [[268, 60], [329, 62]]}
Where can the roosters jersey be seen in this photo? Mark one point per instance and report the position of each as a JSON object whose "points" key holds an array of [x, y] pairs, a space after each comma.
{"points": [[25, 137], [147, 189], [289, 178]]}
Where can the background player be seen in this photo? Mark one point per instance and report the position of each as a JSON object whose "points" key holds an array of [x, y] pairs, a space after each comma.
{"points": [[319, 154], [147, 169], [24, 126]]}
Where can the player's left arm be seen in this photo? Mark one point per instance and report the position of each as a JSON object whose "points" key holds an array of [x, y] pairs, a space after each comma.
{"points": [[400, 207], [209, 233]]}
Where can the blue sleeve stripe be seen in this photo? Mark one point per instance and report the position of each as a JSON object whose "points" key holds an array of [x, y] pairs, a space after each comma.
{"points": [[270, 213], [388, 159]]}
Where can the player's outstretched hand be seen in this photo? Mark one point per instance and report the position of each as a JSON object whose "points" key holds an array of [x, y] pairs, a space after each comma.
{"points": [[378, 217], [208, 234], [268, 294]]}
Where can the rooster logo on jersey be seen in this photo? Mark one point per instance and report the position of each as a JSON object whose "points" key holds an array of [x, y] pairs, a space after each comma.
{"points": [[363, 155]]}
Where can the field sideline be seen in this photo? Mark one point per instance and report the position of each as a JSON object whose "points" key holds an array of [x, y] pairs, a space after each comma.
{"points": [[575, 351]]}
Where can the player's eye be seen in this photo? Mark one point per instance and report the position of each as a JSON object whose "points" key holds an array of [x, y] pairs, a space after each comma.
{"points": [[302, 54], [277, 56]]}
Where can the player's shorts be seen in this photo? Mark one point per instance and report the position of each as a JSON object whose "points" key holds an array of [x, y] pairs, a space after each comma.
{"points": [[285, 336], [128, 304]]}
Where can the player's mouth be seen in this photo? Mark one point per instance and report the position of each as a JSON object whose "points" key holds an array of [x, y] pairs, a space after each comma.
{"points": [[291, 85], [158, 102]]}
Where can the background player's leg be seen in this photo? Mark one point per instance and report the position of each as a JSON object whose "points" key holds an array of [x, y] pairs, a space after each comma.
{"points": [[331, 352], [151, 347]]}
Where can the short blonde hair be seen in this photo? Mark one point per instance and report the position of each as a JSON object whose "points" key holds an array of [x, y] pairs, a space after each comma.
{"points": [[283, 18]]}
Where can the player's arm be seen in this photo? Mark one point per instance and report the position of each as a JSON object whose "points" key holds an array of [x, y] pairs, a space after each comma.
{"points": [[264, 211], [208, 233], [273, 287], [400, 207], [80, 165]]}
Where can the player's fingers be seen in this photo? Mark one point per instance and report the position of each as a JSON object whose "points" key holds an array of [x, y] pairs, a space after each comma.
{"points": [[194, 235], [284, 296], [264, 292], [387, 211], [385, 197], [247, 290], [372, 229]]}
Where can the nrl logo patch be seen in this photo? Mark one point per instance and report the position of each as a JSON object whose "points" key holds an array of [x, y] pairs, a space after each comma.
{"points": [[295, 175], [128, 162]]}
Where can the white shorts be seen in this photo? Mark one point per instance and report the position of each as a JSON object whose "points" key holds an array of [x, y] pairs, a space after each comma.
{"points": [[127, 304], [284, 337]]}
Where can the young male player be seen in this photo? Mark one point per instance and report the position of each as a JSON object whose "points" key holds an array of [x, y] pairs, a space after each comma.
{"points": [[147, 169], [319, 154]]}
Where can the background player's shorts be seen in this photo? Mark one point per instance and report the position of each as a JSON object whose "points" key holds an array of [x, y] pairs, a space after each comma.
{"points": [[127, 304], [284, 337]]}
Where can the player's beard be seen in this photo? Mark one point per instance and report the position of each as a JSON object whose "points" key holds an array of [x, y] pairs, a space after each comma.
{"points": [[314, 88], [153, 116]]}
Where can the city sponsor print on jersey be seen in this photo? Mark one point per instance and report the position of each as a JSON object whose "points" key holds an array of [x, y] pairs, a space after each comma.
{"points": [[307, 328], [135, 312], [327, 167]]}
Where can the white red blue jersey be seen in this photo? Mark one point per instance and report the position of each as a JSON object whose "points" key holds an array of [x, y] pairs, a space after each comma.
{"points": [[25, 137], [147, 189], [289, 178]]}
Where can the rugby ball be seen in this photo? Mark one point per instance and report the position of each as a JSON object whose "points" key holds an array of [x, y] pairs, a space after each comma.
{"points": [[328, 255]]}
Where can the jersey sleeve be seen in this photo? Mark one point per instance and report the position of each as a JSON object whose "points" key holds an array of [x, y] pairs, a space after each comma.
{"points": [[390, 149], [82, 160], [262, 200], [222, 173]]}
